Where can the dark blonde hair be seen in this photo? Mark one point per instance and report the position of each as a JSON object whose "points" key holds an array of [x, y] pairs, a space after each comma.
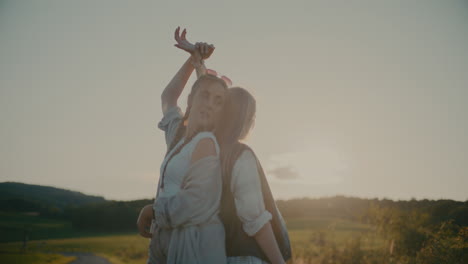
{"points": [[238, 119], [195, 87]]}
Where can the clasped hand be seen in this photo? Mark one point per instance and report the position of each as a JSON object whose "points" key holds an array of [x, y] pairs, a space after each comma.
{"points": [[199, 50], [144, 221]]}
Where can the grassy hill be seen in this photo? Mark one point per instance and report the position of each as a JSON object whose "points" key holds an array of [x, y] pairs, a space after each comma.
{"points": [[39, 212], [335, 229], [16, 196]]}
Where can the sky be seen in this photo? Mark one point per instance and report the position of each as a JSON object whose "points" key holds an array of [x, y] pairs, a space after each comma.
{"points": [[357, 98]]}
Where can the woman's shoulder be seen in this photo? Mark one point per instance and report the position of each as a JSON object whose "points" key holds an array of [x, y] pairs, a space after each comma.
{"points": [[205, 137], [246, 153], [204, 134], [246, 158]]}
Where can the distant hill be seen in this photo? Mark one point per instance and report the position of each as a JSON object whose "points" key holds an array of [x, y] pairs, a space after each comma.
{"points": [[45, 212], [16, 196], [48, 212]]}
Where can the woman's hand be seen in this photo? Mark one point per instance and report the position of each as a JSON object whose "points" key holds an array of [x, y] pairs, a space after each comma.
{"points": [[182, 42], [205, 50], [144, 221]]}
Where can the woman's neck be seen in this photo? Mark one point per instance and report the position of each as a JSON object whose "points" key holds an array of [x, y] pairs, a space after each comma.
{"points": [[190, 131]]}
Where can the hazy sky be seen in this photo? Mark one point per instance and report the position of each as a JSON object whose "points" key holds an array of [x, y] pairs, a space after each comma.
{"points": [[360, 98]]}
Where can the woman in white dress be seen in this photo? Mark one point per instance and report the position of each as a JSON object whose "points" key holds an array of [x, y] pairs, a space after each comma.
{"points": [[255, 229], [188, 228]]}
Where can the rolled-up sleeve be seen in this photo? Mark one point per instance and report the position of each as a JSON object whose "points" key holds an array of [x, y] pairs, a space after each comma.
{"points": [[170, 122], [248, 198]]}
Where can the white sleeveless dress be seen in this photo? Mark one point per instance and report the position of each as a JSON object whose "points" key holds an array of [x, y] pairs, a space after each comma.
{"points": [[211, 248], [178, 166]]}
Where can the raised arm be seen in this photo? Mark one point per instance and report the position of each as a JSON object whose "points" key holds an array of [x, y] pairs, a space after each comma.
{"points": [[204, 51], [198, 53], [174, 89], [197, 61]]}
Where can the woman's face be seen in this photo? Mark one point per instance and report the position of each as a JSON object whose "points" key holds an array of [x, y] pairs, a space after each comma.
{"points": [[207, 106]]}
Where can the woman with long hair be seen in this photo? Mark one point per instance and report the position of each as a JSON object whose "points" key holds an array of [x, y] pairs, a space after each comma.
{"points": [[255, 229], [188, 228]]}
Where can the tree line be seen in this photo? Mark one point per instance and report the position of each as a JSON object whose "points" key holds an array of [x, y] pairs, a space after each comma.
{"points": [[122, 215]]}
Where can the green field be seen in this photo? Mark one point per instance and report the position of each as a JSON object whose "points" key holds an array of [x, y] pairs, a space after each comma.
{"points": [[14, 225], [338, 230], [309, 237], [34, 258]]}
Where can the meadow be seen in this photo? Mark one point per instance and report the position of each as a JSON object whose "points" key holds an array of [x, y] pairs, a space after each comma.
{"points": [[338, 230], [308, 236], [14, 225]]}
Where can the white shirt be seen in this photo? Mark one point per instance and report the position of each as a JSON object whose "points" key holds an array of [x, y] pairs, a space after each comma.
{"points": [[247, 191]]}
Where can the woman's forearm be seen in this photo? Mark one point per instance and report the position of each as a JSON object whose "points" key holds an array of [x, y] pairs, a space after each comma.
{"points": [[200, 67], [174, 89], [267, 242]]}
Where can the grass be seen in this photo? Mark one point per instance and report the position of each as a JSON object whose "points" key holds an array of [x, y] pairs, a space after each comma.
{"points": [[337, 230], [309, 237], [119, 249], [34, 258], [314, 237], [14, 225]]}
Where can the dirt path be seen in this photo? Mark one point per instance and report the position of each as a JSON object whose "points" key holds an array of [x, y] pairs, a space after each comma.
{"points": [[86, 258]]}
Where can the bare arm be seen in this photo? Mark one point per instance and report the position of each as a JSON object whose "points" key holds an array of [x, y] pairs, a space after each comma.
{"points": [[199, 65], [250, 207], [174, 89], [267, 242], [199, 52]]}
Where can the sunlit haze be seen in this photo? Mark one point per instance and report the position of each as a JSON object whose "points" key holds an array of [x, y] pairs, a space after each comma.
{"points": [[356, 98]]}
